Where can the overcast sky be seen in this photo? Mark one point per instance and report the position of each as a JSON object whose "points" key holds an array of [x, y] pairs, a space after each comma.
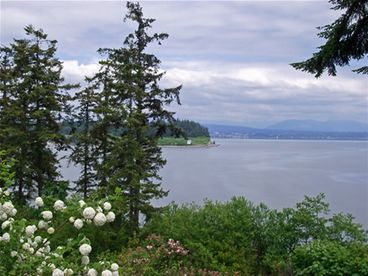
{"points": [[232, 58]]}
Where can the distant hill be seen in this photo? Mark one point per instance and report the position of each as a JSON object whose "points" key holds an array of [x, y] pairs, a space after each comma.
{"points": [[326, 126], [227, 131]]}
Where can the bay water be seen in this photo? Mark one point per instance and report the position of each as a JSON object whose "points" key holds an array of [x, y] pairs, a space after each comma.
{"points": [[278, 173]]}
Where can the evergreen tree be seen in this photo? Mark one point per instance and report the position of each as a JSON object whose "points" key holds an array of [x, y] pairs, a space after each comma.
{"points": [[6, 85], [83, 145], [35, 101], [107, 118], [135, 159], [347, 38]]}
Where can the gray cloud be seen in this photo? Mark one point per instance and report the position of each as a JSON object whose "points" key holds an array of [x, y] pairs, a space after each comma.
{"points": [[231, 57]]}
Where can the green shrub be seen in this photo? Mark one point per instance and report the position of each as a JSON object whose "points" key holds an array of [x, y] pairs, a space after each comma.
{"points": [[330, 258]]}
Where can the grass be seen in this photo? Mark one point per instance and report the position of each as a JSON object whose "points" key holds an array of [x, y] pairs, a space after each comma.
{"points": [[172, 141]]}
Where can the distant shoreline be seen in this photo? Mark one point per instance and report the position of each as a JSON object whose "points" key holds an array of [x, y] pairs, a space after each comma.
{"points": [[190, 146], [292, 139]]}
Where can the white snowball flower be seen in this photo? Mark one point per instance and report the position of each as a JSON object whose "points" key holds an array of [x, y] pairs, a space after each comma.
{"points": [[71, 219], [100, 219], [42, 224], [38, 239], [92, 272], [114, 266], [57, 272], [47, 215], [7, 207], [7, 193], [13, 254], [51, 230], [81, 203], [47, 249], [68, 271], [13, 212], [106, 273], [107, 206], [5, 237], [59, 205], [3, 216], [85, 249], [31, 250], [89, 213], [26, 246], [110, 217], [99, 209], [52, 266], [39, 201], [30, 229], [78, 223], [85, 260], [5, 224]]}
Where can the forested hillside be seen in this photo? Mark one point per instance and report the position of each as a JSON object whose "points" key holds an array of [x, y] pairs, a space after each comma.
{"points": [[189, 129]]}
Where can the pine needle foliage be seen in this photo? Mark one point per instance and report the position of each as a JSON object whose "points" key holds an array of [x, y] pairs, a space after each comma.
{"points": [[346, 39]]}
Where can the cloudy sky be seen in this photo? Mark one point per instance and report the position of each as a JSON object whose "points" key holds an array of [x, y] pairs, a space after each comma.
{"points": [[232, 58]]}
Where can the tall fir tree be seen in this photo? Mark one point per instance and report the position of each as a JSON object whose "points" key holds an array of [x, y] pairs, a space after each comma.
{"points": [[106, 119], [6, 86], [83, 148], [135, 159], [35, 101]]}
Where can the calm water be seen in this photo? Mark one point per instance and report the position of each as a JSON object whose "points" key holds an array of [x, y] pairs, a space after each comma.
{"points": [[276, 172]]}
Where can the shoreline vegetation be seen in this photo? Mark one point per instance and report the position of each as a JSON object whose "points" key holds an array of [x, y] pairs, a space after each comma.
{"points": [[201, 141]]}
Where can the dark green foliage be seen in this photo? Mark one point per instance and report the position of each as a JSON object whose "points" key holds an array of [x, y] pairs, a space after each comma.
{"points": [[33, 99], [109, 114], [347, 38], [6, 170], [218, 235], [330, 258], [255, 240], [84, 145], [189, 129]]}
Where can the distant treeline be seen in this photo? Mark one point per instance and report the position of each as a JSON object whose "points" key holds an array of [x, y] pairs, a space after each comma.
{"points": [[184, 128], [189, 129]]}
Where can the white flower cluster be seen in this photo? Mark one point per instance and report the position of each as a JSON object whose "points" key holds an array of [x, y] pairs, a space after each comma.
{"points": [[39, 202], [58, 271], [97, 216], [113, 271], [47, 216], [59, 205], [7, 212], [85, 249], [30, 244]]}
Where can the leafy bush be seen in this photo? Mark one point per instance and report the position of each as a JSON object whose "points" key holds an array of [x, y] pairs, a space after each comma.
{"points": [[237, 236], [330, 258], [218, 235], [154, 256]]}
